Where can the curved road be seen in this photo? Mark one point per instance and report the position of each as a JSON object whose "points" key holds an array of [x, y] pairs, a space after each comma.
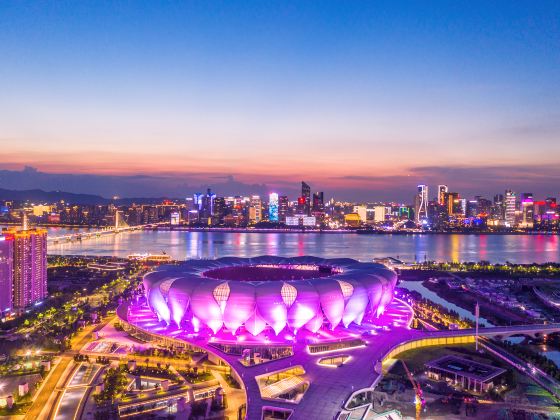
{"points": [[42, 406]]}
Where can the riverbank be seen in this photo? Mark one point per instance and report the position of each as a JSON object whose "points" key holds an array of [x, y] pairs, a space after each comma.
{"points": [[355, 231], [182, 245], [306, 230], [497, 315]]}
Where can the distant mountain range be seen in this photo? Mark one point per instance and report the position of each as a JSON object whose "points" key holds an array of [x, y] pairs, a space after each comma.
{"points": [[154, 186], [38, 196]]}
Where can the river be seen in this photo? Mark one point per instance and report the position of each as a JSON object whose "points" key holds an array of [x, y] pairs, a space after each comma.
{"points": [[417, 286], [523, 249]]}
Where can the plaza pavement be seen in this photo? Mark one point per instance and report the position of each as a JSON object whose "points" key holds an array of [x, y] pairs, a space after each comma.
{"points": [[329, 387]]}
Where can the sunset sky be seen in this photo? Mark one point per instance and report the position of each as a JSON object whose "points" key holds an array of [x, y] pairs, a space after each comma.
{"points": [[356, 97]]}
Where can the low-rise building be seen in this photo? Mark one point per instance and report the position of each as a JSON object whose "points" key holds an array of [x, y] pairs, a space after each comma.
{"points": [[468, 374]]}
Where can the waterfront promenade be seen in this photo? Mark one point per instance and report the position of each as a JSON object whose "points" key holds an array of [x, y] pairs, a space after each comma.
{"points": [[184, 245]]}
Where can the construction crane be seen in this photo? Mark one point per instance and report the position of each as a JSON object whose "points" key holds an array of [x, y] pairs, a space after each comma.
{"points": [[419, 395]]}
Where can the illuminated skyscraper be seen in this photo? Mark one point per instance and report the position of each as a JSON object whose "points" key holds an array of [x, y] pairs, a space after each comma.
{"points": [[421, 203], [379, 214], [510, 208], [304, 201], [6, 272], [497, 212], [273, 207], [197, 201], [174, 218], [30, 266], [207, 206], [527, 210], [463, 206], [220, 209], [283, 208], [452, 204], [361, 211], [255, 209], [318, 206], [442, 190]]}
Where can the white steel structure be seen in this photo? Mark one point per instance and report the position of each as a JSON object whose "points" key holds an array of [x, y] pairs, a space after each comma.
{"points": [[421, 204]]}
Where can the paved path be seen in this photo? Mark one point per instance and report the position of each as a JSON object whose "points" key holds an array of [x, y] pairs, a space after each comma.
{"points": [[540, 377], [46, 400], [47, 395], [329, 387]]}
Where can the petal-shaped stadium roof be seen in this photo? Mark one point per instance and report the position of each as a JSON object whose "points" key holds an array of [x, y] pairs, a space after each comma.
{"points": [[269, 291]]}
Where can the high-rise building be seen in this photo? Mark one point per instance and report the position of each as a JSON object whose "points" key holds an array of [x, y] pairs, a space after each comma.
{"points": [[421, 203], [255, 209], [546, 212], [404, 212], [527, 210], [509, 206], [379, 214], [207, 210], [220, 210], [452, 203], [30, 266], [442, 190], [149, 214], [437, 215], [273, 207], [283, 208], [318, 206], [238, 211], [483, 207], [497, 212], [6, 273], [197, 201], [305, 199], [318, 203], [361, 211], [174, 218], [462, 206], [472, 208]]}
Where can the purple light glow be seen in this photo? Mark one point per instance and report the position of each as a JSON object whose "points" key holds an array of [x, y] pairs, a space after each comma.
{"points": [[296, 294]]}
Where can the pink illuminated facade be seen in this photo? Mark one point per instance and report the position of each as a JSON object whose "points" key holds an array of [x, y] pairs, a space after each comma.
{"points": [[269, 293], [30, 266], [6, 273]]}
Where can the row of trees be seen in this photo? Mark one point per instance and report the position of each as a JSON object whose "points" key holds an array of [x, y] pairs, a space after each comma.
{"points": [[546, 269], [114, 383], [533, 357]]}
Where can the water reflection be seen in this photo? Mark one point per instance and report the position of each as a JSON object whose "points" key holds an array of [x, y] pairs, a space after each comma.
{"points": [[523, 249], [428, 294]]}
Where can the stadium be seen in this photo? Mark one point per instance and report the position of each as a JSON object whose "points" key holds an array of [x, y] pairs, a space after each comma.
{"points": [[269, 294]]}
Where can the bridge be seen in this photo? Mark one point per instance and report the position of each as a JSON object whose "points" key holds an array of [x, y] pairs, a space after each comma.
{"points": [[120, 226], [330, 386], [413, 340], [531, 330]]}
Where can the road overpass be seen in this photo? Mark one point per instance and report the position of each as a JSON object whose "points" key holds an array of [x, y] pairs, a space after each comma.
{"points": [[531, 330]]}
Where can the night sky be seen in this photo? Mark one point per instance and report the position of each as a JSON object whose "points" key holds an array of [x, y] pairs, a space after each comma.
{"points": [[363, 100]]}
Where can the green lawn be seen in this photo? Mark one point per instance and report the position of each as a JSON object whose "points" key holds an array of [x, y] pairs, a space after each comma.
{"points": [[417, 358]]}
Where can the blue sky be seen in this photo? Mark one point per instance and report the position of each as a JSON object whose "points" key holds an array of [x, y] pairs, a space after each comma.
{"points": [[356, 97]]}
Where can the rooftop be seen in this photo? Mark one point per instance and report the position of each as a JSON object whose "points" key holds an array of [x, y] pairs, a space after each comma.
{"points": [[270, 272], [465, 367]]}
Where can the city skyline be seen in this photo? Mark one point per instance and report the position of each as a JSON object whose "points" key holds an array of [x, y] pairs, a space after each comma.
{"points": [[356, 98], [168, 185]]}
